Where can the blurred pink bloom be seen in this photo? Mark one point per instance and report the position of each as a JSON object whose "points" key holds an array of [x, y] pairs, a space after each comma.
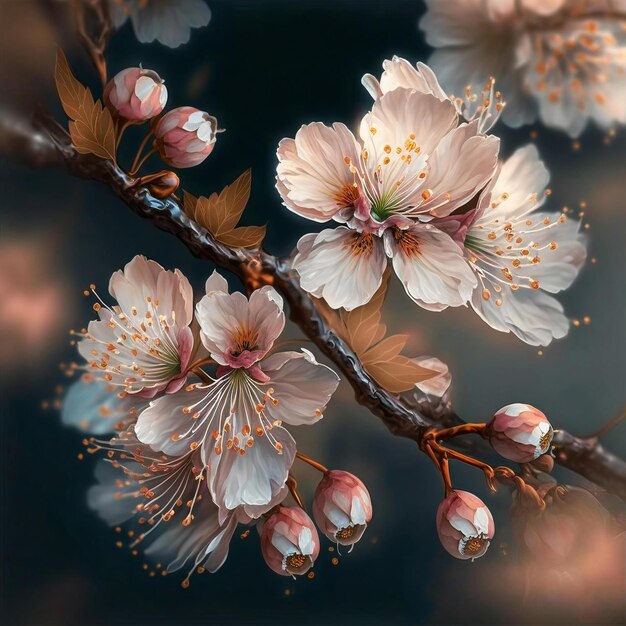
{"points": [[465, 525], [561, 61], [144, 343], [342, 507], [520, 432], [33, 303], [289, 541], [136, 94], [236, 419], [185, 136], [168, 21]]}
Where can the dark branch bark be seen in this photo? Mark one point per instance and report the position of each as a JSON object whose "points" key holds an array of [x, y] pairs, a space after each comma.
{"points": [[46, 143]]}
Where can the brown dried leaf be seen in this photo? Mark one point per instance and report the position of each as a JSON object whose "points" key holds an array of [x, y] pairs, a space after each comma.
{"points": [[362, 330], [244, 237], [91, 127], [399, 374], [220, 213]]}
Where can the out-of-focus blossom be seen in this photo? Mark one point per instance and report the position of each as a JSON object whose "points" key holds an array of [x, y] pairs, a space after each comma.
{"points": [[571, 522], [289, 541], [136, 94], [484, 107], [33, 304], [415, 161], [167, 502], [465, 525], [438, 385], [520, 432], [143, 344], [342, 507], [563, 61], [97, 407], [519, 253], [168, 21], [235, 421], [185, 136]]}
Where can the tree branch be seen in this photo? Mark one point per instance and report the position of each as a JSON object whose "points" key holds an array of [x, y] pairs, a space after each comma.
{"points": [[44, 143]]}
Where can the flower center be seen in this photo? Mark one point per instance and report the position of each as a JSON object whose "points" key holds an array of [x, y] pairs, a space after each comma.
{"points": [[408, 242], [245, 339], [296, 561], [362, 244], [345, 533], [473, 546], [544, 442]]}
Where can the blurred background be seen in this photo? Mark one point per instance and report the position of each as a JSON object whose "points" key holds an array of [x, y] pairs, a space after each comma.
{"points": [[263, 68]]}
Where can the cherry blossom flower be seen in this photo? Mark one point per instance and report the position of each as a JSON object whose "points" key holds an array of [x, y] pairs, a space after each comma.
{"points": [[136, 94], [519, 253], [520, 432], [563, 61], [235, 419], [143, 344], [168, 21], [289, 541], [414, 162], [485, 107], [342, 507], [465, 525]]}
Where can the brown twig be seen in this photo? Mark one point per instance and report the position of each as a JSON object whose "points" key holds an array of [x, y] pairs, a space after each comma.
{"points": [[409, 417], [95, 44]]}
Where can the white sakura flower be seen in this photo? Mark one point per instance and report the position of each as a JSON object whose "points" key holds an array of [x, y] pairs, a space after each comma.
{"points": [[414, 162], [144, 344], [168, 21], [484, 107], [235, 420], [519, 253], [561, 60]]}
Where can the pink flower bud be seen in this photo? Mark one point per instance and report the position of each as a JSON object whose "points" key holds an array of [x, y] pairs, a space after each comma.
{"points": [[289, 542], [342, 507], [185, 136], [465, 525], [136, 94], [520, 432]]}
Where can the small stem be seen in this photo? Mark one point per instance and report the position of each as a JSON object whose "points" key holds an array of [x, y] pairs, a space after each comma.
{"points": [[476, 428], [445, 474], [136, 164], [292, 484], [312, 463], [200, 363], [612, 423], [443, 452], [202, 375], [120, 132]]}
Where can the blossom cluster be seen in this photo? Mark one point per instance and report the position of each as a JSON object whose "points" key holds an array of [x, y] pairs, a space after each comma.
{"points": [[198, 404], [423, 186], [562, 61]]}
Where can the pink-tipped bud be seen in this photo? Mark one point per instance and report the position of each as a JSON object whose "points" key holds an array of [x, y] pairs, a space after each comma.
{"points": [[342, 507], [136, 94], [520, 432], [289, 541], [185, 136], [465, 525]]}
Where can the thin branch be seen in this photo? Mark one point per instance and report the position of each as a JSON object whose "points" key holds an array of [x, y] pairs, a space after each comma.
{"points": [[47, 143]]}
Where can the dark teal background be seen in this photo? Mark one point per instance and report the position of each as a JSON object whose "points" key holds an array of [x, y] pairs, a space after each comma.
{"points": [[263, 68]]}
